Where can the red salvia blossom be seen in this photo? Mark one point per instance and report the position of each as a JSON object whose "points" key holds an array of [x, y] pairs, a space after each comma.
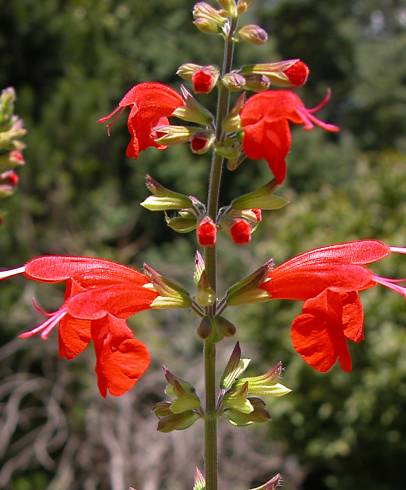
{"points": [[328, 280], [297, 73], [203, 81], [207, 232], [151, 103], [100, 296], [240, 231], [265, 119]]}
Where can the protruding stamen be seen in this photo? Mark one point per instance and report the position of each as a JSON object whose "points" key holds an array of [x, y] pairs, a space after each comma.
{"points": [[391, 284], [46, 327], [324, 102], [12, 272], [399, 250]]}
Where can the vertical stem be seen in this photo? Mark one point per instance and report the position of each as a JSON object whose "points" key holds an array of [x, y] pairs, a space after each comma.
{"points": [[210, 421]]}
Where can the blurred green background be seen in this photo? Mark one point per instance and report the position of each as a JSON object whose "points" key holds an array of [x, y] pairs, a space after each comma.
{"points": [[70, 61]]}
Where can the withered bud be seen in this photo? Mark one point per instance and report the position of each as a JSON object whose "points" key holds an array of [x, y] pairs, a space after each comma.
{"points": [[253, 34]]}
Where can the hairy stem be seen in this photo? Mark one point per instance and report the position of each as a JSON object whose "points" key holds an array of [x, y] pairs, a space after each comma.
{"points": [[210, 422]]}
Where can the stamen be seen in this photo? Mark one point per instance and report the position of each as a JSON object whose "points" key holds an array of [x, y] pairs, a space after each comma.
{"points": [[391, 284], [328, 127], [113, 117], [41, 310], [46, 327], [399, 250], [12, 272], [308, 125], [320, 106]]}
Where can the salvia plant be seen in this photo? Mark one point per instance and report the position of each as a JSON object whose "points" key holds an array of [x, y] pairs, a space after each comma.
{"points": [[256, 106]]}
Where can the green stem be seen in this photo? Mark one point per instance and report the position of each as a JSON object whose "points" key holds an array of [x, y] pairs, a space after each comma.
{"points": [[210, 421]]}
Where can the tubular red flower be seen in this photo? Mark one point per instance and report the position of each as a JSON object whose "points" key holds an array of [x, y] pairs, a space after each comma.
{"points": [[151, 104], [297, 73], [240, 231], [203, 81], [100, 296], [207, 232], [265, 118], [328, 280]]}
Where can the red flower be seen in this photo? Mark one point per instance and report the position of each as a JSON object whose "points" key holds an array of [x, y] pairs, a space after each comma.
{"points": [[297, 73], [240, 231], [328, 280], [151, 104], [100, 296], [203, 81], [265, 118], [207, 232]]}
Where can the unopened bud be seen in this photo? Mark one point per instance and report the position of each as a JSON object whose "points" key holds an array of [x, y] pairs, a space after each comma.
{"points": [[243, 6], [207, 232], [7, 99], [253, 34], [204, 80], [164, 199], [271, 484], [234, 81], [202, 142], [240, 231], [200, 482], [11, 160], [9, 178], [285, 73], [207, 19], [230, 7], [257, 83], [258, 213]]}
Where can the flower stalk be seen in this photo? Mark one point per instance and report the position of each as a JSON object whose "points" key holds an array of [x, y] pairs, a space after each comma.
{"points": [[210, 421]]}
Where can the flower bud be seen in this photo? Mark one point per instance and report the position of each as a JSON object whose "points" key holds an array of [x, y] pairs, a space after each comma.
{"points": [[208, 19], [258, 213], [243, 6], [9, 178], [207, 232], [271, 484], [202, 142], [192, 110], [285, 73], [230, 7], [240, 231], [234, 81], [257, 83], [200, 482], [253, 34], [204, 80], [7, 99]]}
